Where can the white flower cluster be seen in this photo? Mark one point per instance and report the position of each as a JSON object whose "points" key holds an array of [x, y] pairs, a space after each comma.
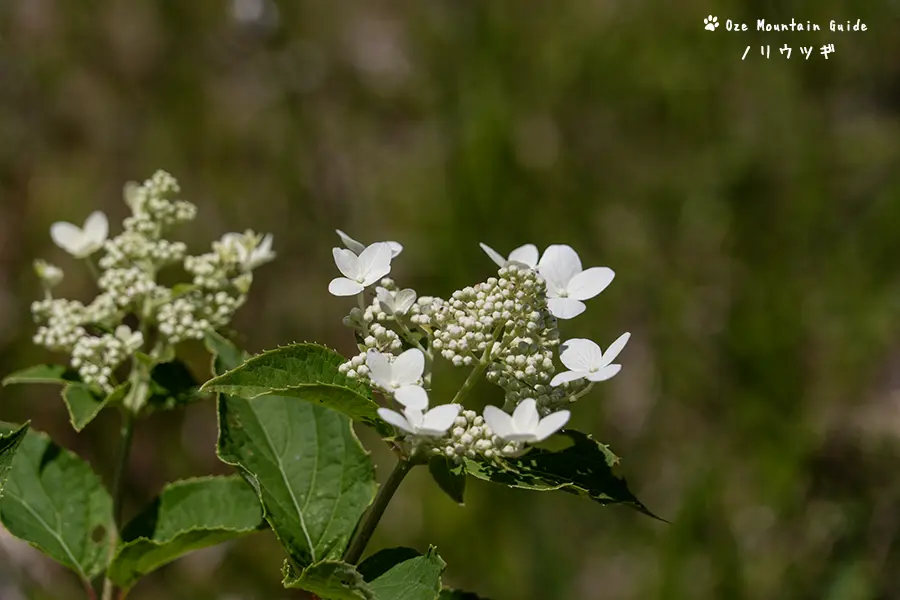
{"points": [[505, 329], [96, 357], [128, 283]]}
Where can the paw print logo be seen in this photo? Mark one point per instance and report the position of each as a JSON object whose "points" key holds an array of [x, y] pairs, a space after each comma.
{"points": [[711, 23]]}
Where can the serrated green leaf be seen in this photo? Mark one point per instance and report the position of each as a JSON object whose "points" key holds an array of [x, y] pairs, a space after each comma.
{"points": [[10, 439], [84, 404], [188, 515], [58, 374], [172, 385], [450, 594], [450, 477], [585, 468], [226, 356], [54, 501], [305, 371], [416, 578], [312, 474], [329, 580]]}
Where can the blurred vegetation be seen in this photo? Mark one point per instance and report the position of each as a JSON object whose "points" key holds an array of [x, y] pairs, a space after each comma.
{"points": [[749, 207]]}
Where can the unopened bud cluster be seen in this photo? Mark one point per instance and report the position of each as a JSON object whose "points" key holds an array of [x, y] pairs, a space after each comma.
{"points": [[470, 437], [128, 283]]}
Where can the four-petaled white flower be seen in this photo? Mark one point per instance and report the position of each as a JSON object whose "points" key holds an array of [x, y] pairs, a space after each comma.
{"points": [[567, 283], [395, 304], [433, 423], [585, 360], [525, 424], [361, 271], [401, 377], [526, 255], [251, 250], [81, 242], [358, 247]]}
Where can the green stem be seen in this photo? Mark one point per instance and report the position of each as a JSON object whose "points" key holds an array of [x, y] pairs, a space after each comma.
{"points": [[373, 515], [476, 373], [92, 268], [118, 490]]}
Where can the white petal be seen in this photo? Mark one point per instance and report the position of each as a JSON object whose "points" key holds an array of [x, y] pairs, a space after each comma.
{"points": [[96, 227], [385, 300], [341, 286], [396, 248], [615, 348], [527, 255], [408, 367], [526, 417], [607, 372], [587, 284], [499, 422], [558, 265], [347, 263], [520, 437], [561, 378], [67, 236], [565, 308], [493, 254], [395, 419], [440, 418], [415, 418], [352, 244], [375, 262], [404, 301], [551, 424], [579, 354], [380, 369], [412, 396]]}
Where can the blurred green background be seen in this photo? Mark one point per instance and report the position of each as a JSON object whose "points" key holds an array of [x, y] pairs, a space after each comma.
{"points": [[750, 209]]}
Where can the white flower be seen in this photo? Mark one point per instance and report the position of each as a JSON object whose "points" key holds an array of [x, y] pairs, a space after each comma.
{"points": [[361, 271], [525, 424], [397, 303], [49, 274], [81, 242], [358, 247], [251, 251], [401, 377], [434, 423], [585, 360], [526, 255], [567, 283]]}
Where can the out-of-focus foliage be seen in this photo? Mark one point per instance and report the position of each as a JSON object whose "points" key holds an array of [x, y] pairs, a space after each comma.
{"points": [[750, 209]]}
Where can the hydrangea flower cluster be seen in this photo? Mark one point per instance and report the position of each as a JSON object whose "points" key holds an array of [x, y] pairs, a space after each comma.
{"points": [[505, 329], [94, 334]]}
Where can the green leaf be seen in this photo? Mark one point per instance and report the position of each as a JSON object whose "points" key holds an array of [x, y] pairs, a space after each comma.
{"points": [[188, 515], [449, 476], [54, 501], [226, 356], [450, 594], [416, 578], [585, 468], [172, 385], [305, 371], [43, 374], [9, 442], [83, 402], [330, 580], [384, 560], [311, 473]]}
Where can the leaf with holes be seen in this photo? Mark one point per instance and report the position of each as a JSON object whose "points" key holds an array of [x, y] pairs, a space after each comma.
{"points": [[585, 467], [449, 476], [188, 515], [305, 371], [54, 501], [10, 439]]}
